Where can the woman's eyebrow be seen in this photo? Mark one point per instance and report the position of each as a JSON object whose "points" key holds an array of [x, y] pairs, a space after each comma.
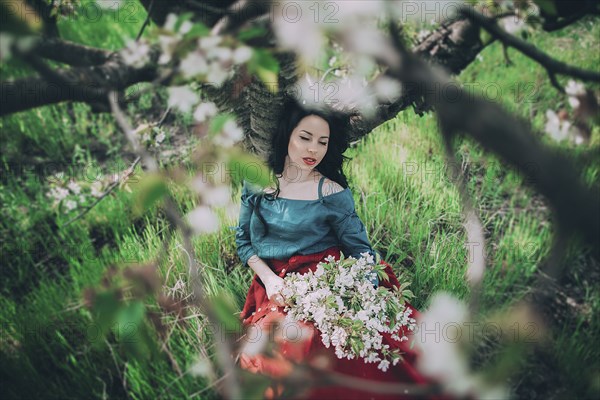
{"points": [[325, 137]]}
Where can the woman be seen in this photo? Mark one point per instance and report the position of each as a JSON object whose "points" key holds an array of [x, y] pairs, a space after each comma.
{"points": [[309, 215]]}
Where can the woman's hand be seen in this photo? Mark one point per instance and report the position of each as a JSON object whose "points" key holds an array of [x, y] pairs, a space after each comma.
{"points": [[273, 285]]}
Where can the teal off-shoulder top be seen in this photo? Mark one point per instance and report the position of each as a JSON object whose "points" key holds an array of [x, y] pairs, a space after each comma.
{"points": [[299, 227]]}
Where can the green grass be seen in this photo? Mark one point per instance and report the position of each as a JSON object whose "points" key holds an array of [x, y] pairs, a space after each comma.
{"points": [[410, 208]]}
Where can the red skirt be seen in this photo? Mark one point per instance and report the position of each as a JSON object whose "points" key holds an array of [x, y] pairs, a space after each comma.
{"points": [[260, 311]]}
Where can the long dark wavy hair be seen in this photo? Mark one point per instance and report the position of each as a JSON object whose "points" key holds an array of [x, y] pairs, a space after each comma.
{"points": [[332, 164]]}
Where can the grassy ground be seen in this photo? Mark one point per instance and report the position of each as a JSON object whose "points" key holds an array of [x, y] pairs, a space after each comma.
{"points": [[49, 346]]}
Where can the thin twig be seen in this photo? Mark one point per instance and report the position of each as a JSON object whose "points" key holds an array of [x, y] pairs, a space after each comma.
{"points": [[231, 388], [468, 211], [116, 182], [146, 21], [552, 65], [102, 196]]}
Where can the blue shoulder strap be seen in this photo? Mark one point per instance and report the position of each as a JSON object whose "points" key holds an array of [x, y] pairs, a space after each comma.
{"points": [[321, 188]]}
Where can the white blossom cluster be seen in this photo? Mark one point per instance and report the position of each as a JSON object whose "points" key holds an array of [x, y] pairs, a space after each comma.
{"points": [[212, 57], [348, 310], [557, 124], [150, 135], [73, 194], [203, 219]]}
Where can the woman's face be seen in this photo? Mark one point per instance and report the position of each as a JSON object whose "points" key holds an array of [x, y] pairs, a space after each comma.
{"points": [[308, 142]]}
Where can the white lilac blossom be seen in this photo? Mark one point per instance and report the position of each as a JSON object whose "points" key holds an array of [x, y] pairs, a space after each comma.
{"points": [[205, 111], [182, 97], [160, 138], [441, 354], [217, 75], [242, 54], [96, 189], [349, 312], [203, 220], [353, 92], [70, 205], [199, 184], [386, 88], [557, 128], [476, 239], [213, 60], [136, 54], [231, 134], [512, 24], [58, 193], [168, 44], [441, 357], [74, 187], [574, 90], [193, 64], [217, 196], [296, 29]]}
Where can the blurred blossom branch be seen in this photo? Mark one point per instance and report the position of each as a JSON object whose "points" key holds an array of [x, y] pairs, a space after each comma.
{"points": [[231, 387], [551, 65], [507, 136], [109, 190], [146, 21]]}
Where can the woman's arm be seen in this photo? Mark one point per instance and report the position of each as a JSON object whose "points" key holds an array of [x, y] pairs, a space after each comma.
{"points": [[243, 238], [273, 283], [351, 233], [246, 252], [349, 228]]}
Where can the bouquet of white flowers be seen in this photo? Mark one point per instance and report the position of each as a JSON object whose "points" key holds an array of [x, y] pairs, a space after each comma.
{"points": [[349, 311]]}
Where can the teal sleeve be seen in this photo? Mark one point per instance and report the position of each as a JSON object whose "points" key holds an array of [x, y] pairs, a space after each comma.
{"points": [[350, 230], [242, 236]]}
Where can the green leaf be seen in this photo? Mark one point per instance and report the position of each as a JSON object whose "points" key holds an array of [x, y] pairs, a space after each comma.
{"points": [[254, 385], [383, 275], [105, 309], [225, 311], [347, 263], [251, 33], [133, 333], [151, 189], [198, 30], [218, 122], [485, 36], [354, 345], [182, 18], [266, 67], [547, 6], [246, 166]]}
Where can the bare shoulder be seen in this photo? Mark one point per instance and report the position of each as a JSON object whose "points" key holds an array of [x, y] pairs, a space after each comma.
{"points": [[331, 187]]}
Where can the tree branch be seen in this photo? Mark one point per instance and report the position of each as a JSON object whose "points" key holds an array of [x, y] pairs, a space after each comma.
{"points": [[43, 10], [70, 53], [86, 84], [549, 171], [454, 45], [146, 21], [551, 65]]}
